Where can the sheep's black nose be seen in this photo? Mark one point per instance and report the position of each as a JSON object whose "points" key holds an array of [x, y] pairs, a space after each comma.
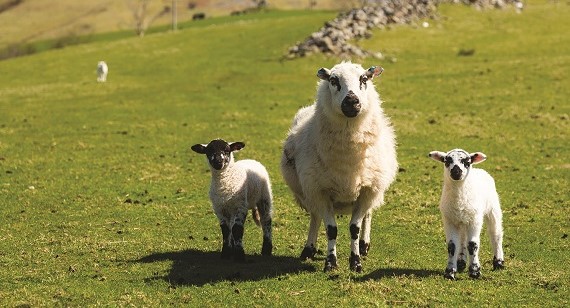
{"points": [[455, 173], [350, 105]]}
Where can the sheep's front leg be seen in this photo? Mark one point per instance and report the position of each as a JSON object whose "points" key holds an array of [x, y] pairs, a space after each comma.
{"points": [[330, 222], [237, 234], [226, 239], [364, 243], [473, 243], [311, 245], [453, 239]]}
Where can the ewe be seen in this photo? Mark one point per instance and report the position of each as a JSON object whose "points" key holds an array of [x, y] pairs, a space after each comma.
{"points": [[468, 197], [340, 157], [102, 71], [235, 188]]}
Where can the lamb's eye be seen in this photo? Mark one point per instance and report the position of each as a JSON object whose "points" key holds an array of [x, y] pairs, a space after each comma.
{"points": [[335, 82], [448, 161], [466, 162], [363, 80]]}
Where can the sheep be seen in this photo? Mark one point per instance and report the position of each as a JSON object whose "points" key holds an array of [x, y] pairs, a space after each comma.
{"points": [[102, 70], [235, 188], [468, 198], [339, 157]]}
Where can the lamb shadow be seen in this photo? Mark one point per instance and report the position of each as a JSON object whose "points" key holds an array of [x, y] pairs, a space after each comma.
{"points": [[197, 268], [399, 272]]}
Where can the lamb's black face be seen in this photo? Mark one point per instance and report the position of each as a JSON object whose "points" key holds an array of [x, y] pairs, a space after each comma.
{"points": [[457, 163], [218, 152]]}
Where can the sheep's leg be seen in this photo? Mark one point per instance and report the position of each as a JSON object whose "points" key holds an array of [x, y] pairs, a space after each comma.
{"points": [[495, 230], [311, 245], [264, 208], [462, 258], [364, 243], [237, 234], [330, 222], [473, 244], [226, 239], [355, 224], [453, 239]]}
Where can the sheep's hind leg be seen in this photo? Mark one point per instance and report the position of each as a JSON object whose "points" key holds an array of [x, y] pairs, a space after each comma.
{"points": [[311, 245], [355, 224], [264, 208], [495, 231]]}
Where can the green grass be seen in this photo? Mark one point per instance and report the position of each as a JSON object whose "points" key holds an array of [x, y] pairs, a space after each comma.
{"points": [[103, 203]]}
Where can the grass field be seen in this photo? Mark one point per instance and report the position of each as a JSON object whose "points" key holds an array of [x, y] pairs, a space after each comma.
{"points": [[103, 203]]}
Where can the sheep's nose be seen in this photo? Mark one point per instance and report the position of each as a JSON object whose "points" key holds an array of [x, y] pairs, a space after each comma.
{"points": [[350, 105], [455, 173]]}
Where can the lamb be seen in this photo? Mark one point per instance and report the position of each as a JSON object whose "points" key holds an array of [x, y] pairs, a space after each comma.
{"points": [[237, 187], [102, 70], [340, 157], [468, 198]]}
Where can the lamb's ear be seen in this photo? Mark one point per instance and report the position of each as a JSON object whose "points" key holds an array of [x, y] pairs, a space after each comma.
{"points": [[374, 71], [236, 146], [324, 73], [199, 148], [437, 156], [477, 157]]}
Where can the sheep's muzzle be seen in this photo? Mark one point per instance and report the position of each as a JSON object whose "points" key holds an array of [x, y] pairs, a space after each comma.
{"points": [[350, 105]]}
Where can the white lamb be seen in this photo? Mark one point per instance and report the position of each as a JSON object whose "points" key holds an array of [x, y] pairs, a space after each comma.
{"points": [[340, 157], [235, 188], [102, 70], [468, 198]]}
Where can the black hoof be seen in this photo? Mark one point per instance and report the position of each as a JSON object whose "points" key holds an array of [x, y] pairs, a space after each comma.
{"points": [[355, 264], [239, 254], [363, 248], [267, 248], [474, 271], [308, 253], [449, 273], [498, 264], [226, 252], [461, 265], [330, 263]]}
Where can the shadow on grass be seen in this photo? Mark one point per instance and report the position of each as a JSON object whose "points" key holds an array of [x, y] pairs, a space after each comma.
{"points": [[197, 268], [399, 272]]}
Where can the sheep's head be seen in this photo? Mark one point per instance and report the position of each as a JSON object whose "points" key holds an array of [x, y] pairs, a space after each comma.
{"points": [[457, 162], [348, 85], [218, 152]]}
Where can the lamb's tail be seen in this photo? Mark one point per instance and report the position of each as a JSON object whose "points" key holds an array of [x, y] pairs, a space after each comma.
{"points": [[256, 218]]}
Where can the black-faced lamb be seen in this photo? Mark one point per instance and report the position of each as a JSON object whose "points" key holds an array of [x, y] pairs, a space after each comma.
{"points": [[236, 187], [340, 157], [468, 198]]}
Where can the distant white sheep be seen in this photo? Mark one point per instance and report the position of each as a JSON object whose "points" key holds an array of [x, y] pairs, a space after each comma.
{"points": [[468, 198], [340, 157], [235, 188], [102, 71]]}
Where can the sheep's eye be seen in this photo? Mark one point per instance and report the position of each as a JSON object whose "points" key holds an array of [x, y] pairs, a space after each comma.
{"points": [[466, 162], [448, 161], [335, 83], [363, 80]]}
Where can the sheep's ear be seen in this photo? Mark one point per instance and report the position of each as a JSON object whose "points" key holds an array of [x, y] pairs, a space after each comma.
{"points": [[199, 148], [324, 73], [236, 146], [477, 157], [374, 71], [437, 156]]}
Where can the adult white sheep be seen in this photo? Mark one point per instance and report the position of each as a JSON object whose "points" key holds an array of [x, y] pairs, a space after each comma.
{"points": [[102, 71], [235, 188], [340, 157], [468, 198]]}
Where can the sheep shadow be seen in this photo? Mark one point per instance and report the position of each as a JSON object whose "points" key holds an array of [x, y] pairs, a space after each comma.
{"points": [[197, 268], [399, 272]]}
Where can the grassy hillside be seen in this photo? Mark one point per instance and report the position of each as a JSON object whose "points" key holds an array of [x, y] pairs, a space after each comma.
{"points": [[103, 203]]}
